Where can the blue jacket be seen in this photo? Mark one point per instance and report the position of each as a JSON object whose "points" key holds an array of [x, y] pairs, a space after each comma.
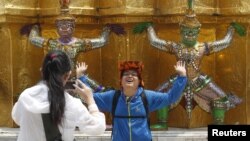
{"points": [[125, 129]]}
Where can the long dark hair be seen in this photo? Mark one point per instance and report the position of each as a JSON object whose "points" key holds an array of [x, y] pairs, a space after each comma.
{"points": [[55, 65]]}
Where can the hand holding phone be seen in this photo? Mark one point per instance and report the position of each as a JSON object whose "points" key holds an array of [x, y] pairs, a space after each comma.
{"points": [[69, 84]]}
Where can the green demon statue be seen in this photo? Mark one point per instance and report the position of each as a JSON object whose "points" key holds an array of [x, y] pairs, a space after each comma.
{"points": [[200, 87]]}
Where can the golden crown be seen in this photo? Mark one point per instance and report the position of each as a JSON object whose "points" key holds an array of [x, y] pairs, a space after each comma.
{"points": [[64, 11], [190, 19]]}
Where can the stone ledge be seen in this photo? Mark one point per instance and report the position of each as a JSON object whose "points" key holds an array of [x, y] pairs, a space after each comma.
{"points": [[173, 134]]}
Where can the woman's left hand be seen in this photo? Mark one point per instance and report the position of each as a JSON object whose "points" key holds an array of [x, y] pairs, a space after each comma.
{"points": [[81, 68]]}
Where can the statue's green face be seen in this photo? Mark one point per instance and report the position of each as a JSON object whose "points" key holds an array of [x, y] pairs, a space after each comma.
{"points": [[189, 35]]}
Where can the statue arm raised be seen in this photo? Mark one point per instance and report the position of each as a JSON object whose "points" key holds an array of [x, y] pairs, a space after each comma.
{"points": [[221, 44], [157, 42], [97, 42], [35, 38]]}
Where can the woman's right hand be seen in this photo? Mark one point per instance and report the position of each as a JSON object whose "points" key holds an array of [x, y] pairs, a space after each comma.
{"points": [[84, 92]]}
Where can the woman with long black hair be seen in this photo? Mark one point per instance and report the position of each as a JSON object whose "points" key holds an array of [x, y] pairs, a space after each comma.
{"points": [[46, 107]]}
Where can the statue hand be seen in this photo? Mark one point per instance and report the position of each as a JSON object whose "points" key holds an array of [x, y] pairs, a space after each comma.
{"points": [[25, 30], [116, 28], [240, 29], [140, 27], [180, 68], [81, 69]]}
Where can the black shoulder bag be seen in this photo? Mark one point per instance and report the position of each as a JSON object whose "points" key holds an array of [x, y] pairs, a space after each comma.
{"points": [[51, 130]]}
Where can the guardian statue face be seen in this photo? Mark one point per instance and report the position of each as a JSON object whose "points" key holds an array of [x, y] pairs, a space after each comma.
{"points": [[189, 35], [65, 28]]}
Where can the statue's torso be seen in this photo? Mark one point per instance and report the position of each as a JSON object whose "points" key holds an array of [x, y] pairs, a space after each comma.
{"points": [[71, 49], [192, 57]]}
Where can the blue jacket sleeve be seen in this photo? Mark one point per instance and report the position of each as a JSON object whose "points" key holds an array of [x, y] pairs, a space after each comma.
{"points": [[91, 83], [104, 100], [158, 100], [84, 80]]}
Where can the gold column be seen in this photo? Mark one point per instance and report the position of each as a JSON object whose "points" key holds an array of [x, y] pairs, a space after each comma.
{"points": [[21, 7], [48, 7], [234, 7], [85, 11], [124, 11], [166, 7], [2, 7], [86, 7], [247, 99], [6, 83], [126, 7]]}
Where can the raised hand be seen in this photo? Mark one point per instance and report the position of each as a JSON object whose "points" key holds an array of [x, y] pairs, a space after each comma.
{"points": [[81, 69], [116, 28], [25, 30], [180, 68]]}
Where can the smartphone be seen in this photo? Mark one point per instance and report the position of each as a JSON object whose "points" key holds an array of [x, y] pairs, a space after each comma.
{"points": [[69, 85]]}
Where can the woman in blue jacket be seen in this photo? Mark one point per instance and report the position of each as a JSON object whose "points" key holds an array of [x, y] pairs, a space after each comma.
{"points": [[130, 121]]}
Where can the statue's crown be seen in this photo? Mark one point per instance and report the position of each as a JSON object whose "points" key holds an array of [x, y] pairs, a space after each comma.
{"points": [[190, 19], [64, 11]]}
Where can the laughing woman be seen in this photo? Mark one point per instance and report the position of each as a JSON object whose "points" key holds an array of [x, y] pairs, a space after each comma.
{"points": [[131, 104]]}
